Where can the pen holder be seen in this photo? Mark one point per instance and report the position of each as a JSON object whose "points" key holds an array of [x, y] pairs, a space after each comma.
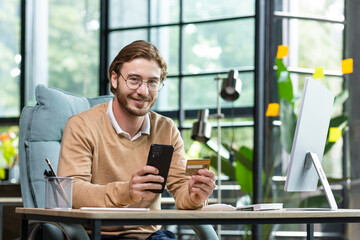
{"points": [[58, 192]]}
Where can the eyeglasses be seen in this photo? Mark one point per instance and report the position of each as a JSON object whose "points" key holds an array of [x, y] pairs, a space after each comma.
{"points": [[134, 82]]}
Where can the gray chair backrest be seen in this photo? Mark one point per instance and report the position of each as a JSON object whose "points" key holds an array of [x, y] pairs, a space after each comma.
{"points": [[40, 133]]}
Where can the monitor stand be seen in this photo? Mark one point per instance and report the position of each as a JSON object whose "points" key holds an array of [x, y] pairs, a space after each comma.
{"points": [[313, 158]]}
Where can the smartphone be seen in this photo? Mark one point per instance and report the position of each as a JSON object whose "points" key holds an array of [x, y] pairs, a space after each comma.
{"points": [[160, 157]]}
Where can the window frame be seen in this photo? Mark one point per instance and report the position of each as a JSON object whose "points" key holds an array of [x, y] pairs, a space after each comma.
{"points": [[181, 114]]}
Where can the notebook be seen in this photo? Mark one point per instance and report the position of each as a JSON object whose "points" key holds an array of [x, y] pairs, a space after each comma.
{"points": [[114, 209], [252, 207]]}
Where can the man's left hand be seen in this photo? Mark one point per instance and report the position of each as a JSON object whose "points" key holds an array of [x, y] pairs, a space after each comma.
{"points": [[201, 186]]}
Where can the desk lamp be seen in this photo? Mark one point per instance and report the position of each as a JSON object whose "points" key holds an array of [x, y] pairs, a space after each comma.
{"points": [[231, 86], [201, 130]]}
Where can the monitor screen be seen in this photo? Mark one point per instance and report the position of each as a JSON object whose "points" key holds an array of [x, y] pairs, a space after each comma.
{"points": [[310, 137]]}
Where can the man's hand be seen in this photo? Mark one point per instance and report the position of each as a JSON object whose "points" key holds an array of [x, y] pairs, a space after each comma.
{"points": [[201, 186], [140, 183]]}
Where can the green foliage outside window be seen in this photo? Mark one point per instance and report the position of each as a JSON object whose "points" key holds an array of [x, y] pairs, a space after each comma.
{"points": [[9, 141], [10, 58], [74, 46]]}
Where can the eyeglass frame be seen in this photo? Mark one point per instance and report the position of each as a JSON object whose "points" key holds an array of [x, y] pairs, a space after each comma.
{"points": [[161, 84]]}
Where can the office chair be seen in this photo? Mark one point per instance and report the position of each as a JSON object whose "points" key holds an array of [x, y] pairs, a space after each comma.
{"points": [[40, 133]]}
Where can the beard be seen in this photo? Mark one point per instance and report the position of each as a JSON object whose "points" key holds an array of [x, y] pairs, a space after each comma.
{"points": [[123, 101]]}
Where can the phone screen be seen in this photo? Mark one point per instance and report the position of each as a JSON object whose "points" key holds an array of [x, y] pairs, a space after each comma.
{"points": [[160, 157]]}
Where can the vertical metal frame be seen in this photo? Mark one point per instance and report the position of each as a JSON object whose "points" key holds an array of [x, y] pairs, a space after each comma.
{"points": [[23, 53], [149, 19], [259, 134], [261, 50], [104, 47], [181, 112], [346, 145]]}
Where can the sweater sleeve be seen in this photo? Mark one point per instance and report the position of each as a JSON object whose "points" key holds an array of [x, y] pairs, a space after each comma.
{"points": [[76, 160]]}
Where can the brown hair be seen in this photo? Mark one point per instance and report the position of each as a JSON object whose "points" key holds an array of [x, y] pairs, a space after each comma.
{"points": [[137, 49]]}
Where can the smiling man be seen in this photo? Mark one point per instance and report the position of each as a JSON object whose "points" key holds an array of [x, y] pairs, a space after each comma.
{"points": [[105, 148]]}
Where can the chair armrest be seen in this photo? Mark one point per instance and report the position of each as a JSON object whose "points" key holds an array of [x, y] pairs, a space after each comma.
{"points": [[204, 232], [55, 230]]}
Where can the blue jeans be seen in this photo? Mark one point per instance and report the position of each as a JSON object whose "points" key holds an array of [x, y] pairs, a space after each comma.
{"points": [[158, 235], [162, 235]]}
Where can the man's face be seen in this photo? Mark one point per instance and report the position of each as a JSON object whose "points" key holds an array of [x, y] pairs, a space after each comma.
{"points": [[139, 101]]}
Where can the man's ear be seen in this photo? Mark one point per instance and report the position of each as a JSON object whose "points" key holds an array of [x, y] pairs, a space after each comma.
{"points": [[114, 79]]}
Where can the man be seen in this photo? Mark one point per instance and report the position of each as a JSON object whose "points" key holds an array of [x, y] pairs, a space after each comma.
{"points": [[105, 148]]}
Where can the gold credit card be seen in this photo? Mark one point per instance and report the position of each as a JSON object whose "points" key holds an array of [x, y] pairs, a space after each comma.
{"points": [[194, 165]]}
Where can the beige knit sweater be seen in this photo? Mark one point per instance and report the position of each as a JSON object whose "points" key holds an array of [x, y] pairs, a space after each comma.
{"points": [[102, 162]]}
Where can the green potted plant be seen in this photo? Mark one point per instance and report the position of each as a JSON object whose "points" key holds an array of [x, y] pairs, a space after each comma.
{"points": [[8, 153]]}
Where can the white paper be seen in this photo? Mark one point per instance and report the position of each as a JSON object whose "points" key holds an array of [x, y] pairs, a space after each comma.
{"points": [[252, 207], [114, 209]]}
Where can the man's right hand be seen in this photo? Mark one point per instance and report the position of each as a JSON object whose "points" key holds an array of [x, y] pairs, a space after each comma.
{"points": [[140, 183]]}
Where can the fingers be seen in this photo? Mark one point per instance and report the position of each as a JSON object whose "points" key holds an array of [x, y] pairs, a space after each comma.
{"points": [[202, 188], [142, 180], [146, 170], [204, 177], [199, 195], [136, 196], [207, 173], [147, 182], [201, 185], [146, 174]]}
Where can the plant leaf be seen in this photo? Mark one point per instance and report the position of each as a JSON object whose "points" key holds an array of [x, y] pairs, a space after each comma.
{"points": [[341, 97], [2, 173], [244, 156], [285, 86], [226, 167], [244, 178], [339, 122], [317, 201], [243, 169], [288, 124], [8, 151]]}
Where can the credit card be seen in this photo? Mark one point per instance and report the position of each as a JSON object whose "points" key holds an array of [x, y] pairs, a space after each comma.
{"points": [[194, 165]]}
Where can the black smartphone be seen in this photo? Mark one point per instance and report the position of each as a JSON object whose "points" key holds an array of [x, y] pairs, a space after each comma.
{"points": [[160, 157]]}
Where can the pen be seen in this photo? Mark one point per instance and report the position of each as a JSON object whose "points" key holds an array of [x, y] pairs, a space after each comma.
{"points": [[52, 172], [51, 169]]}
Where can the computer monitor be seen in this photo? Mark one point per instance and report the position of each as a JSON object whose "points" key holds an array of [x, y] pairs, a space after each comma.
{"points": [[312, 126]]}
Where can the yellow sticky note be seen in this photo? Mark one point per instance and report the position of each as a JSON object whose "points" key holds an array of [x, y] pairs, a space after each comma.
{"points": [[347, 66], [272, 110], [319, 73], [334, 134], [282, 51]]}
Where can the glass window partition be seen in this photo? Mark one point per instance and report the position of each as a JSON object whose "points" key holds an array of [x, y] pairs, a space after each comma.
{"points": [[10, 57]]}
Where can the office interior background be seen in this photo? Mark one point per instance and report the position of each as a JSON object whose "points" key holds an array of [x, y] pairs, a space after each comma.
{"points": [[70, 44]]}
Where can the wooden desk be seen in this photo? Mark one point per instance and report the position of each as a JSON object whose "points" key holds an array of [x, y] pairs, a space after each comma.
{"points": [[184, 217], [7, 201]]}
